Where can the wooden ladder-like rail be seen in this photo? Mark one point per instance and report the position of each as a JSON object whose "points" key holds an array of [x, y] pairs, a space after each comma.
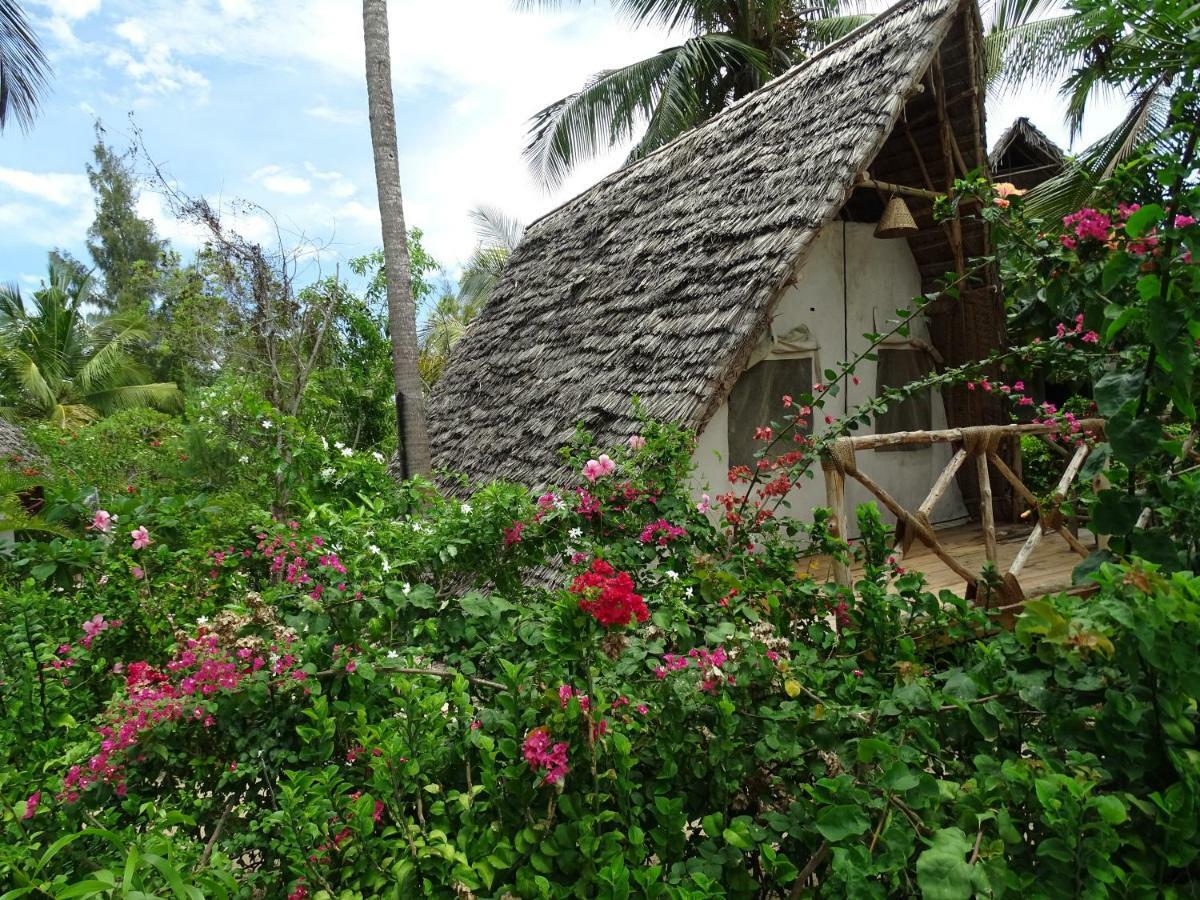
{"points": [[981, 445]]}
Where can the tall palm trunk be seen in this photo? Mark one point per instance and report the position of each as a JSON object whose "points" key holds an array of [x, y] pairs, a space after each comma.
{"points": [[402, 314]]}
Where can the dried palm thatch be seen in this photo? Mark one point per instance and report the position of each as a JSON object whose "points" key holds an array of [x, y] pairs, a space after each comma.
{"points": [[659, 280], [1024, 155], [14, 446]]}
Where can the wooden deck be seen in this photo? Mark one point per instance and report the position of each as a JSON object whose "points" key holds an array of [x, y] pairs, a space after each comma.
{"points": [[1048, 570]]}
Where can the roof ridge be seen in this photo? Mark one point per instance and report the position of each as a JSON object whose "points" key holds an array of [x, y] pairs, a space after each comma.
{"points": [[787, 76]]}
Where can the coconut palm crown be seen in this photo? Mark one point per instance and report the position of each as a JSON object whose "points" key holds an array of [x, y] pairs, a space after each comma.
{"points": [[57, 365]]}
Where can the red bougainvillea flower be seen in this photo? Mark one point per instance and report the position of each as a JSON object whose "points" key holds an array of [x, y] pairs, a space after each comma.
{"points": [[544, 757], [608, 596]]}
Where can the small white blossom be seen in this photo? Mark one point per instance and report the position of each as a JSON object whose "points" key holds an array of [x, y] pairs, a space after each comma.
{"points": [[575, 534], [392, 654], [243, 459], [387, 566], [560, 503], [202, 620], [324, 444], [672, 574], [266, 423], [338, 445], [378, 457], [371, 548], [346, 451], [328, 472], [406, 588], [687, 592], [466, 508]]}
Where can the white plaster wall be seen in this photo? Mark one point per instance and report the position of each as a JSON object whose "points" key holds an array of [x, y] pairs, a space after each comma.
{"points": [[880, 276]]}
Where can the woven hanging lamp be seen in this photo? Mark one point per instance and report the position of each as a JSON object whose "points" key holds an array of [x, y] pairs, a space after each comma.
{"points": [[896, 221]]}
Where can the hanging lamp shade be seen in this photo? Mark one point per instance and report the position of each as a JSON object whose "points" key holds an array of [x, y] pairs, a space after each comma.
{"points": [[896, 221]]}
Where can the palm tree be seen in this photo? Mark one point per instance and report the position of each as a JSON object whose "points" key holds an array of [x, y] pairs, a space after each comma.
{"points": [[734, 48], [414, 455], [23, 67], [57, 366], [498, 234], [1145, 52]]}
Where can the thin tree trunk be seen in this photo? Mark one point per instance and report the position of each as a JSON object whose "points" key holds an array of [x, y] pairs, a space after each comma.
{"points": [[402, 314]]}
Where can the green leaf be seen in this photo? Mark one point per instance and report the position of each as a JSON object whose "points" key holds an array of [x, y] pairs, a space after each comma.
{"points": [[836, 823], [1115, 512], [1084, 570], [1116, 389], [1111, 809], [1143, 220], [714, 824], [1133, 439], [734, 839], [942, 870]]}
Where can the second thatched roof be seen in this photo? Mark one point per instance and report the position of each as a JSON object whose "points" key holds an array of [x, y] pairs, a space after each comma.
{"points": [[658, 281]]}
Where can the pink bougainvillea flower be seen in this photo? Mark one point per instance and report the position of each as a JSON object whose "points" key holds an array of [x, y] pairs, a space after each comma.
{"points": [[513, 535], [705, 504], [608, 596], [31, 804], [138, 572], [1091, 338], [1183, 221], [102, 521], [141, 537], [636, 442]]}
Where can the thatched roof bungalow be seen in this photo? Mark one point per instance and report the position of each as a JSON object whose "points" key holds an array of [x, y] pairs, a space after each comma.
{"points": [[735, 264], [1024, 156]]}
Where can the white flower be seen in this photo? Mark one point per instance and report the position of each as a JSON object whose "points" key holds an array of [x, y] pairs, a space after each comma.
{"points": [[328, 472], [202, 620], [575, 534], [371, 548], [466, 508], [243, 459], [392, 654], [560, 503], [338, 445], [378, 457], [687, 592], [324, 444], [406, 588], [672, 574], [346, 451], [387, 566], [266, 423]]}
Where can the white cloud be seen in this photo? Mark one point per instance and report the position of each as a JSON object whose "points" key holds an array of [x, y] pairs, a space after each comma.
{"points": [[334, 114], [58, 188], [276, 180], [336, 184], [71, 9], [154, 70]]}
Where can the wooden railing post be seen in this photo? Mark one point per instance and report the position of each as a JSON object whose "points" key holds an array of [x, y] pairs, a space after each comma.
{"points": [[986, 516], [835, 498]]}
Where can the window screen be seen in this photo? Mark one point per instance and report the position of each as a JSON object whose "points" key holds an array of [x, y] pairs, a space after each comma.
{"points": [[896, 368], [757, 399]]}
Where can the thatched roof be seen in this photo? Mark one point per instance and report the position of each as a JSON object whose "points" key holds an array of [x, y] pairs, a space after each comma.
{"points": [[1025, 156], [13, 443], [659, 280]]}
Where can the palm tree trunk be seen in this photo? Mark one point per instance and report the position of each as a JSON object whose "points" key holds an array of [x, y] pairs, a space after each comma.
{"points": [[413, 451]]}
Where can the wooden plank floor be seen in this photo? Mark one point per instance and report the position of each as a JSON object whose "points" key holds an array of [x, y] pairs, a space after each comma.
{"points": [[1048, 570]]}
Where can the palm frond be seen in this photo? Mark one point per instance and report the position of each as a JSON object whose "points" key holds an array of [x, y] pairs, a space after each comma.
{"points": [[828, 29], [164, 396], [496, 229], [1077, 184], [584, 124], [1041, 51], [23, 67]]}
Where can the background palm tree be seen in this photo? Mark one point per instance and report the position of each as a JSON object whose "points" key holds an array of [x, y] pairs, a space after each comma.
{"points": [[498, 234], [413, 452], [55, 365], [735, 47], [23, 67]]}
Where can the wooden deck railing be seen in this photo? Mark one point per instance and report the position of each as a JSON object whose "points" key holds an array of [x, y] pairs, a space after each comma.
{"points": [[980, 445]]}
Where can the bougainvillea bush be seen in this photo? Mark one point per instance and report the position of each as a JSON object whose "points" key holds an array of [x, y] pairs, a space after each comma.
{"points": [[593, 691]]}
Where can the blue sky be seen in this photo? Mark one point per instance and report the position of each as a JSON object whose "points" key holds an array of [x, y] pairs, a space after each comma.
{"points": [[264, 100]]}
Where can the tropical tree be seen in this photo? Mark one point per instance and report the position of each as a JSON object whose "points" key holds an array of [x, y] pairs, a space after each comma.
{"points": [[23, 67], [413, 453], [55, 365], [734, 47], [498, 234], [1142, 53]]}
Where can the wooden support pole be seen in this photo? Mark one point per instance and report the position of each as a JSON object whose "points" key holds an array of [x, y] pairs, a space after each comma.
{"points": [[1035, 536], [835, 499], [1027, 495], [956, 240], [922, 531], [931, 499], [986, 516], [888, 188]]}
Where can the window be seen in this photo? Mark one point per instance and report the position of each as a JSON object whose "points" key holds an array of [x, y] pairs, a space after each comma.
{"points": [[757, 399], [895, 368]]}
